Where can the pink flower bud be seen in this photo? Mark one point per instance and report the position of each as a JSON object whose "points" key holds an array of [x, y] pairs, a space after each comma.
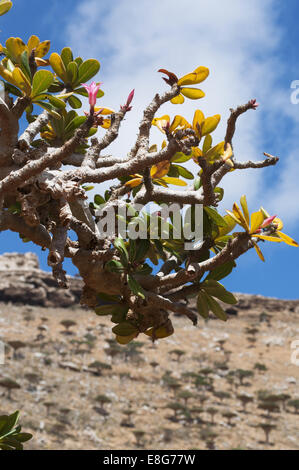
{"points": [[127, 106], [130, 98], [268, 221], [253, 104]]}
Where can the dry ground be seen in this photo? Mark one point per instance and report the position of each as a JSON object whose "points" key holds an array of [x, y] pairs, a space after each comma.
{"points": [[142, 389]]}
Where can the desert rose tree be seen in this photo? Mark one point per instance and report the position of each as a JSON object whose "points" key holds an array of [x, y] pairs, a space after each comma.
{"points": [[46, 170]]}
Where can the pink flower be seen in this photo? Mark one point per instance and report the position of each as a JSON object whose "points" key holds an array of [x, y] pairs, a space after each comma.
{"points": [[92, 91]]}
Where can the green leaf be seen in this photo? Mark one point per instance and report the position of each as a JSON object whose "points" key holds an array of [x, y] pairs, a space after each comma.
{"points": [[143, 246], [79, 61], [207, 144], [197, 184], [213, 214], [72, 72], [108, 297], [82, 91], [87, 70], [180, 157], [23, 436], [58, 66], [132, 250], [74, 124], [111, 309], [66, 56], [124, 328], [202, 305], [216, 289], [184, 172], [121, 248], [25, 65], [135, 287], [99, 200], [215, 307], [144, 270], [50, 108], [12, 89], [9, 423], [221, 271], [60, 104], [12, 442], [74, 102], [114, 266], [220, 192], [41, 81]]}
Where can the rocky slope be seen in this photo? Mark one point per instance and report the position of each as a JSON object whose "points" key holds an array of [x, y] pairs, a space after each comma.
{"points": [[23, 282], [218, 385]]}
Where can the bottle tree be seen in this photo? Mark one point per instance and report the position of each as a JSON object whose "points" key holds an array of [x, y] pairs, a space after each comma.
{"points": [[47, 168]]}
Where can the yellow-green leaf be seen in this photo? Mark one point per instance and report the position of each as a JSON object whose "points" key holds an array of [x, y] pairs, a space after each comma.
{"points": [[207, 143], [198, 119], [72, 71], [202, 73], [32, 43], [15, 47], [192, 93], [66, 56], [215, 307], [42, 49], [175, 181], [270, 238], [41, 81], [230, 225], [160, 169], [161, 332], [257, 219], [21, 81], [58, 66], [133, 183], [124, 328], [215, 152], [87, 70], [5, 73], [288, 240], [210, 124], [244, 206], [237, 211], [233, 216], [180, 122], [258, 250], [179, 99], [161, 122], [106, 111], [198, 76], [5, 7], [202, 305], [126, 339]]}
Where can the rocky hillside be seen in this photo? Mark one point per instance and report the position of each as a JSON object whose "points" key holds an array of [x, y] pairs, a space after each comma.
{"points": [[23, 282], [218, 385]]}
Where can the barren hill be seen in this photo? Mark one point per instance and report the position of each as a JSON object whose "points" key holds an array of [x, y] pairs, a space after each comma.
{"points": [[221, 385]]}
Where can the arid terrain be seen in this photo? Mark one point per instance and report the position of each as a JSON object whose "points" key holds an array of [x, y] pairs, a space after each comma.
{"points": [[218, 385]]}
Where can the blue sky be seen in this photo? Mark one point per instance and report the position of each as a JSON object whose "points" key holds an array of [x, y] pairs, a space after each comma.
{"points": [[251, 50]]}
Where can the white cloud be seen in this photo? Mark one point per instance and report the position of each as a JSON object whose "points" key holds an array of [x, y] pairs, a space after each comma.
{"points": [[235, 39]]}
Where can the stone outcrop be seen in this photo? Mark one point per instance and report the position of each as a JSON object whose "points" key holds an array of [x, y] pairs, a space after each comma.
{"points": [[23, 282]]}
